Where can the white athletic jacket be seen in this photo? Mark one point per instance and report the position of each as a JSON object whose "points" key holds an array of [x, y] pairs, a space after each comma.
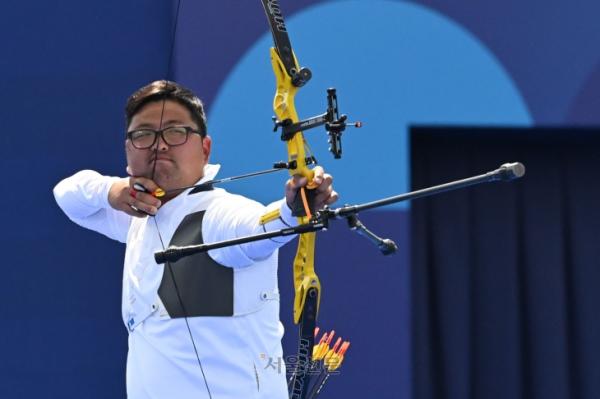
{"points": [[230, 296]]}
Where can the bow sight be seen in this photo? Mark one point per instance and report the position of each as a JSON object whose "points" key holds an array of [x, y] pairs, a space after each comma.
{"points": [[334, 124]]}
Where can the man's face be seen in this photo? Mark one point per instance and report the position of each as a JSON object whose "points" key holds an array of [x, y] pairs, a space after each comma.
{"points": [[176, 166]]}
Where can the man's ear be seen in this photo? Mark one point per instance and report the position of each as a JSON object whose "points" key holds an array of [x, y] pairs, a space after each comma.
{"points": [[128, 168], [206, 146]]}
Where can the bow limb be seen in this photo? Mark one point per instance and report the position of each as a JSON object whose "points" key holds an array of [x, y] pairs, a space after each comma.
{"points": [[285, 110]]}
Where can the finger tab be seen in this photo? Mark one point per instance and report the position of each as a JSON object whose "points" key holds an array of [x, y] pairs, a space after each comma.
{"points": [[139, 187]]}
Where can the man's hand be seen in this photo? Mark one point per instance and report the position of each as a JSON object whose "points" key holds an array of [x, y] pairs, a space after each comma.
{"points": [[123, 197], [324, 190]]}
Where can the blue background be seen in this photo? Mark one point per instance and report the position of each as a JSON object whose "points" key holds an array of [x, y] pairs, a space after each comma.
{"points": [[68, 67]]}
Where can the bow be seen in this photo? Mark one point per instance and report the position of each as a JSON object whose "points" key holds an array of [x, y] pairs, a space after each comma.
{"points": [[289, 78]]}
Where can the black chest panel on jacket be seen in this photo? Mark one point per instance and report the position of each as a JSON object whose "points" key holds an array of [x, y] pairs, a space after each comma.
{"points": [[205, 287]]}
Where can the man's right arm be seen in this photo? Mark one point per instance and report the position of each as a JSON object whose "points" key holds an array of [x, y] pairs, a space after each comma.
{"points": [[83, 197]]}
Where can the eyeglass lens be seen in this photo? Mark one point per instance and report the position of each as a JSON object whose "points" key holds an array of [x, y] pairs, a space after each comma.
{"points": [[146, 138]]}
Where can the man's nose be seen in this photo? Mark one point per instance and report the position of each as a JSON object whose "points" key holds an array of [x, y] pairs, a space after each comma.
{"points": [[160, 144]]}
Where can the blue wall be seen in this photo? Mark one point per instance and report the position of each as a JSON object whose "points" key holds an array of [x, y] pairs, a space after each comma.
{"points": [[67, 68]]}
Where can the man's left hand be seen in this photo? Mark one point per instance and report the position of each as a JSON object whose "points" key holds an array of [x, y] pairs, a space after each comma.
{"points": [[325, 195]]}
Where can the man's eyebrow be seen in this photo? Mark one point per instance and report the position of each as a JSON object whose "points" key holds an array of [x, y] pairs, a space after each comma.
{"points": [[144, 126], [164, 124], [172, 122]]}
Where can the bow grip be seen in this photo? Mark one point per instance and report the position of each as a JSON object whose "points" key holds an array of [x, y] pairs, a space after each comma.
{"points": [[299, 208]]}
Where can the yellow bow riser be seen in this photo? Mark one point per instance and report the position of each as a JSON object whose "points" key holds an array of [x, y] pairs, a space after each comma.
{"points": [[285, 109]]}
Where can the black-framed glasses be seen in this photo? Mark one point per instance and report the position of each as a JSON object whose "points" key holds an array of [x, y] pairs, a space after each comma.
{"points": [[172, 135]]}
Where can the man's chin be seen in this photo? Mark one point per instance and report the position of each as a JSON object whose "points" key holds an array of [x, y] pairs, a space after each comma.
{"points": [[165, 181]]}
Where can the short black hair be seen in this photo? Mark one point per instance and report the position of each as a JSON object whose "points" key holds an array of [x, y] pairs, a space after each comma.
{"points": [[162, 90]]}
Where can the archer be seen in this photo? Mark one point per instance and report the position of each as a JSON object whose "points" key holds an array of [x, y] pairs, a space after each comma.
{"points": [[207, 324]]}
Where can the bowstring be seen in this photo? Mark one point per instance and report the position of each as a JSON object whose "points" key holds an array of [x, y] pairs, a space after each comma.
{"points": [[168, 264]]}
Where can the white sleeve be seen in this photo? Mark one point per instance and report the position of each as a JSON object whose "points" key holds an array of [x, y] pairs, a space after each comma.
{"points": [[83, 197], [234, 217]]}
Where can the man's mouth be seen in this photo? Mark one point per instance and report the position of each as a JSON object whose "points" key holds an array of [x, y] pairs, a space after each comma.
{"points": [[164, 159]]}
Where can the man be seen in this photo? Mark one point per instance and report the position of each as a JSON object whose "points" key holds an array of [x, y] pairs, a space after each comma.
{"points": [[205, 326]]}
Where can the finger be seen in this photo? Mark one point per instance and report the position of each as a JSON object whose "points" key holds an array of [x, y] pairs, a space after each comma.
{"points": [[298, 181], [133, 211], [137, 205], [294, 184], [327, 198], [326, 183], [143, 184], [147, 199], [322, 196], [319, 174], [332, 198], [130, 209]]}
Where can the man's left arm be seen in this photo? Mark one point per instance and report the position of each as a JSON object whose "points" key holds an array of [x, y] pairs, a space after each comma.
{"points": [[242, 217]]}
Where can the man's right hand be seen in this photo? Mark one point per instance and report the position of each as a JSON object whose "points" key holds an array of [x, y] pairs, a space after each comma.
{"points": [[123, 197]]}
